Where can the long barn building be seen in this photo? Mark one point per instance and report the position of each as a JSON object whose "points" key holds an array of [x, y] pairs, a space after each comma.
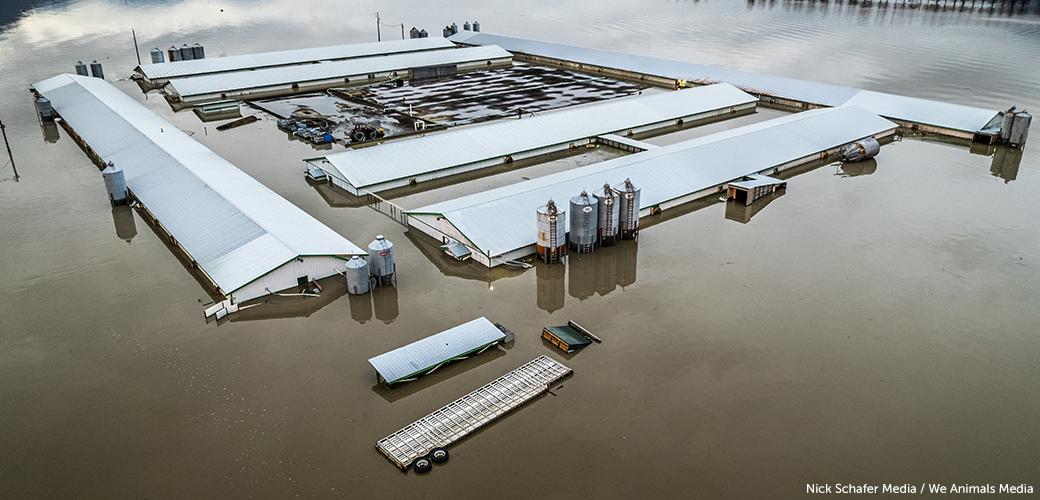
{"points": [[244, 238]]}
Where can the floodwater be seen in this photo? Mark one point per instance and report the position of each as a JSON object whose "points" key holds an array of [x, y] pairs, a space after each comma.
{"points": [[872, 325]]}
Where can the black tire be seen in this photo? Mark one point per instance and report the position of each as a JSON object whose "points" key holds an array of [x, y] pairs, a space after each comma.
{"points": [[372, 134], [439, 455], [358, 136], [422, 465]]}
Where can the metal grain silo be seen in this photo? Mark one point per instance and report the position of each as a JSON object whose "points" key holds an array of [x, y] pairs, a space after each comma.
{"points": [[454, 28], [81, 69], [115, 184], [357, 276], [198, 51], [476, 26], [465, 26], [1020, 129], [423, 33], [186, 54], [552, 233], [413, 33], [44, 108], [628, 209], [607, 219], [861, 150], [584, 215], [95, 70], [381, 260], [157, 56], [175, 53]]}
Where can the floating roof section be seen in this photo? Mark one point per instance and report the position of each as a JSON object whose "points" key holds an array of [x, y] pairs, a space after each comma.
{"points": [[237, 230], [909, 110], [393, 165], [244, 83], [159, 73], [423, 355], [500, 223]]}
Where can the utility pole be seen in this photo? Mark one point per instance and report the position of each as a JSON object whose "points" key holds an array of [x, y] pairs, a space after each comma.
{"points": [[3, 129], [132, 32], [402, 31], [378, 36]]}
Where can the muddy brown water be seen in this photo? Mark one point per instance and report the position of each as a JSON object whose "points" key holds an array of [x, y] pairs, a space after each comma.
{"points": [[878, 328]]}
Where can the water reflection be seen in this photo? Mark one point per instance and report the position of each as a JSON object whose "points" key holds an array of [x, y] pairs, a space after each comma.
{"points": [[123, 217], [886, 11], [273, 306], [385, 299], [551, 290], [1005, 163], [50, 131], [600, 272], [361, 307], [856, 168], [742, 213], [449, 266]]}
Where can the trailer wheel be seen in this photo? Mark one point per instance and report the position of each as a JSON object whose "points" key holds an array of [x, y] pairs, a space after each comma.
{"points": [[422, 465], [439, 455], [358, 136]]}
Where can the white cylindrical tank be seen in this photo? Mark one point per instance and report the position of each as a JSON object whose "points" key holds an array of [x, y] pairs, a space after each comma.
{"points": [[381, 260], [867, 148], [607, 219], [157, 56], [628, 209], [95, 70], [115, 184], [584, 215], [357, 276], [552, 232]]}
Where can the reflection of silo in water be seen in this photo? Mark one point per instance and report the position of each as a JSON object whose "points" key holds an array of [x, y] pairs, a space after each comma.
{"points": [[360, 307], [581, 276], [50, 132], [385, 298], [627, 252], [605, 261], [551, 292], [123, 216]]}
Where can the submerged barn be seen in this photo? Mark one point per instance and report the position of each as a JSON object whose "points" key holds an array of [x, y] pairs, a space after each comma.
{"points": [[244, 238]]}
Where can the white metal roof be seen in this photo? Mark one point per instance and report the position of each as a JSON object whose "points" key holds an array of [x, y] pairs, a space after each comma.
{"points": [[404, 159], [238, 80], [896, 107], [503, 219], [431, 351], [234, 227], [179, 69]]}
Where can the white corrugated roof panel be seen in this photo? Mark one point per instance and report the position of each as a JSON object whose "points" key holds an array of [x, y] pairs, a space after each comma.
{"points": [[421, 355], [234, 227], [923, 111], [239, 80], [404, 159], [503, 219], [180, 69]]}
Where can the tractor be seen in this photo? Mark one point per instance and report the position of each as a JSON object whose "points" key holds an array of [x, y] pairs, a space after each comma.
{"points": [[362, 133]]}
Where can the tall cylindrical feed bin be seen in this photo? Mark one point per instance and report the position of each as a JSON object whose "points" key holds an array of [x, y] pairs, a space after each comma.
{"points": [[381, 260], [628, 209], [175, 53], [95, 70], [583, 221], [186, 53], [198, 51], [607, 220], [552, 233], [115, 184], [357, 276], [81, 69], [44, 108], [1020, 129], [157, 56]]}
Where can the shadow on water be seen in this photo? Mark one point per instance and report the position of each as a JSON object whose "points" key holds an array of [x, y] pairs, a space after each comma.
{"points": [[11, 10], [856, 168], [467, 269], [600, 272], [274, 306], [401, 391], [737, 210]]}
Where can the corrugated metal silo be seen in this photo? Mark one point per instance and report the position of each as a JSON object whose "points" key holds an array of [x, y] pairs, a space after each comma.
{"points": [[381, 257], [413, 33], [861, 150], [1020, 129], [81, 69], [198, 51], [95, 70], [423, 33], [44, 108], [607, 219], [115, 184], [454, 28], [175, 53], [465, 26], [157, 56], [628, 209], [186, 54], [476, 26], [584, 215], [552, 233], [357, 276]]}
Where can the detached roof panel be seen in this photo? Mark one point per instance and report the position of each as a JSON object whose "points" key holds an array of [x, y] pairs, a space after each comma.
{"points": [[234, 227], [431, 351], [403, 159], [923, 111], [239, 80], [180, 69], [501, 220]]}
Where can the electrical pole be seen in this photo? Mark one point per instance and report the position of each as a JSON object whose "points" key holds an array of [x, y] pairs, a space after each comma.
{"points": [[132, 32], [3, 129], [378, 36]]}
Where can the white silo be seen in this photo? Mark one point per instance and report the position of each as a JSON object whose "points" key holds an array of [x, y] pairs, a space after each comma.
{"points": [[584, 215], [357, 276], [381, 260], [552, 232], [607, 220], [628, 209]]}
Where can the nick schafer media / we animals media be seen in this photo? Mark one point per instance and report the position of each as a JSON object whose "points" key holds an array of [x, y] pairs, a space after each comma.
{"points": [[909, 488]]}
